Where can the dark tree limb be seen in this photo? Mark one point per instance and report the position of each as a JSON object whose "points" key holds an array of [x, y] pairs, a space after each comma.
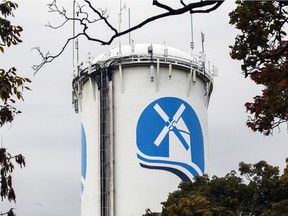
{"points": [[47, 58], [183, 3], [163, 6], [83, 19]]}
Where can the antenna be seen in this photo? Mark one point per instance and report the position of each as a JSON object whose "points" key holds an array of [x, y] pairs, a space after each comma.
{"points": [[192, 38], [203, 56], [202, 41], [129, 23], [77, 56], [120, 21], [73, 34]]}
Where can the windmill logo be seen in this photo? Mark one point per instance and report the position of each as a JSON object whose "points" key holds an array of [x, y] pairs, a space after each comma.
{"points": [[169, 137]]}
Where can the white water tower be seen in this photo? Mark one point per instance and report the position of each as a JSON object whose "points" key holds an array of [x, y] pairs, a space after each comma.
{"points": [[144, 127]]}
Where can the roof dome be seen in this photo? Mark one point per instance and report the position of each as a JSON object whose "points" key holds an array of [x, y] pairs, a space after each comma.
{"points": [[144, 50]]}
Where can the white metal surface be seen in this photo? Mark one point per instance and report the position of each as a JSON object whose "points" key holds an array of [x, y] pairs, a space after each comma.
{"points": [[158, 126]]}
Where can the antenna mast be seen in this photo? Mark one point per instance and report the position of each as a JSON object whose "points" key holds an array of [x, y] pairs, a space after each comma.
{"points": [[75, 51], [192, 37], [129, 17], [202, 41], [120, 21], [73, 34]]}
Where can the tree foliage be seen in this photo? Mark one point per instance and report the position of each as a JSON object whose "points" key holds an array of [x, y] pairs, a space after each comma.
{"points": [[9, 34], [262, 46], [258, 191], [11, 89], [7, 168], [11, 85]]}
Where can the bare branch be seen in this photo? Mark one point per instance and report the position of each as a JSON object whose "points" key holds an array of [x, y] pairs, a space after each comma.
{"points": [[158, 4], [182, 2], [83, 20], [47, 58], [214, 7], [56, 27], [105, 19], [179, 11]]}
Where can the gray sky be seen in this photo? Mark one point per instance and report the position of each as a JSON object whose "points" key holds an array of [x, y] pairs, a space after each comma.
{"points": [[48, 131]]}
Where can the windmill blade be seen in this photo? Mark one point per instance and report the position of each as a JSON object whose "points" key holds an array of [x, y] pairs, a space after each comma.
{"points": [[161, 112], [161, 136], [166, 129], [179, 112]]}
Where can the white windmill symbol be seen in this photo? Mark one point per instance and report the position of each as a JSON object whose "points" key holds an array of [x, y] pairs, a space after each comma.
{"points": [[176, 136]]}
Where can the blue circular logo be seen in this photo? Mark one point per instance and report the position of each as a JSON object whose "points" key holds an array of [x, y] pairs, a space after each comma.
{"points": [[169, 137]]}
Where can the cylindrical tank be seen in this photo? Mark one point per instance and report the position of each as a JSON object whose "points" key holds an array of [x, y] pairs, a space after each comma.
{"points": [[144, 127]]}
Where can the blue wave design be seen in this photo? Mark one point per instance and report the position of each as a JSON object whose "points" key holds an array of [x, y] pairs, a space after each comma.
{"points": [[177, 172], [184, 165]]}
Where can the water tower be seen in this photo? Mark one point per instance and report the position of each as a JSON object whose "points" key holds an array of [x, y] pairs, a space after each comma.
{"points": [[144, 127]]}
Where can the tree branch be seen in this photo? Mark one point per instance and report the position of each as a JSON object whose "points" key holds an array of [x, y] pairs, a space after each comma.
{"points": [[196, 7], [101, 17], [174, 12], [160, 5], [182, 2], [47, 58]]}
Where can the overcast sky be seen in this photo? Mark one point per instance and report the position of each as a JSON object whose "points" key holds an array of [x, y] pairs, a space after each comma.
{"points": [[48, 131]]}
